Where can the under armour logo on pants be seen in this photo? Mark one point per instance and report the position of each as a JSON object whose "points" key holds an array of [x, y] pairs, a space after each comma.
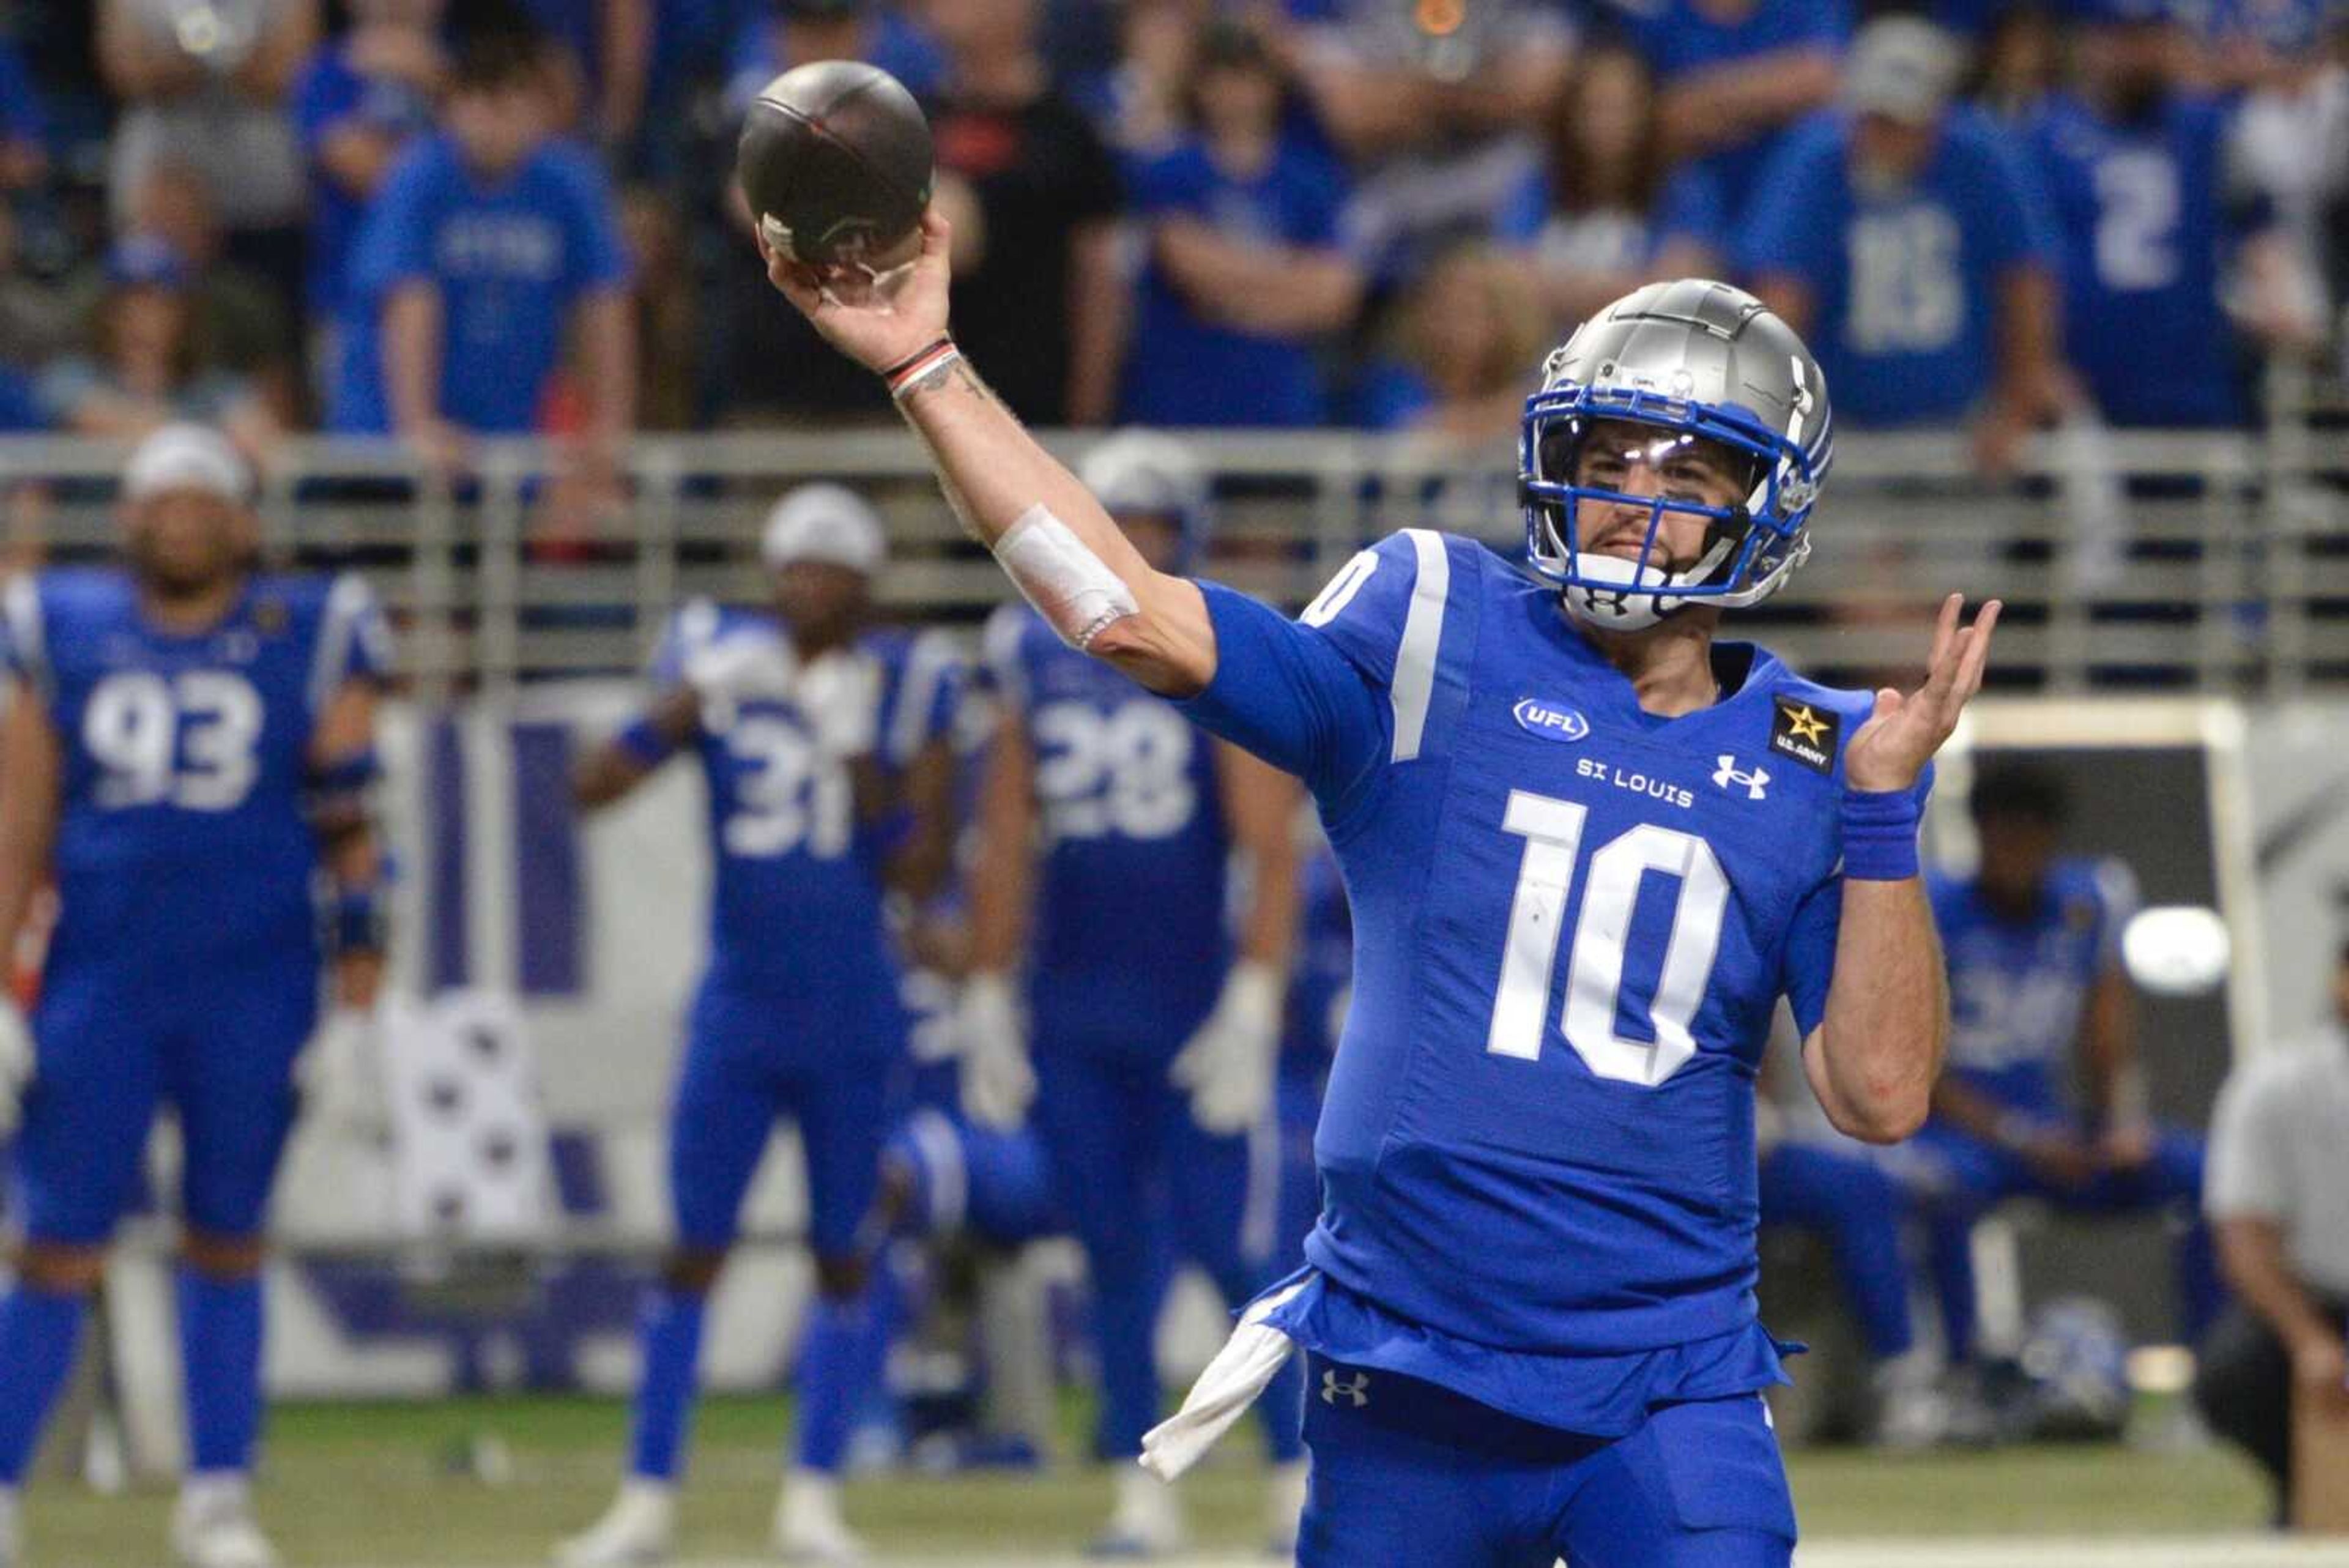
{"points": [[1334, 1388]]}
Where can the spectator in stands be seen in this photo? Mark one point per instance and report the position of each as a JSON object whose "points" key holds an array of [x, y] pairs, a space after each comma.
{"points": [[1036, 292], [2293, 139], [24, 128], [207, 85], [1735, 75], [1244, 274], [1443, 125], [2279, 1196], [147, 370], [2137, 168], [1904, 239], [1145, 109], [1470, 331], [777, 35], [489, 242], [359, 101], [2017, 61], [243, 325], [1609, 217]]}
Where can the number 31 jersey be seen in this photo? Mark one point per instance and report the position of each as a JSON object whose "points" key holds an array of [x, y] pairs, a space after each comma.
{"points": [[182, 832], [1573, 920]]}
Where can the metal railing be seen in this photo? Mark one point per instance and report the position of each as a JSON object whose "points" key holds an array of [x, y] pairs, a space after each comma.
{"points": [[2215, 562]]}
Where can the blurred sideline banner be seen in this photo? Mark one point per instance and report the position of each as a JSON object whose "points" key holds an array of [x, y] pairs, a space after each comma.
{"points": [[595, 929]]}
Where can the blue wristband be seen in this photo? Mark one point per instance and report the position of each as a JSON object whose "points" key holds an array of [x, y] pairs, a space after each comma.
{"points": [[1880, 835], [360, 923], [643, 740]]}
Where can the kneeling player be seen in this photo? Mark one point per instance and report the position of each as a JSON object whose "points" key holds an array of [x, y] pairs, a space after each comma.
{"points": [[189, 742], [824, 748]]}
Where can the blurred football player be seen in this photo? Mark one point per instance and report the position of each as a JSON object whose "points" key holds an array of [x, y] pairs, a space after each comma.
{"points": [[1588, 849], [2037, 994], [189, 746], [1153, 1060], [824, 746]]}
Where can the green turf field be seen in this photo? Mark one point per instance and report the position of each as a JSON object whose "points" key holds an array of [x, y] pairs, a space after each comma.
{"points": [[383, 1485]]}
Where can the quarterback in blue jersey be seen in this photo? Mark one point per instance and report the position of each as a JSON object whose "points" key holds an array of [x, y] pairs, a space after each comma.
{"points": [[1106, 811], [1529, 1309], [826, 757], [2038, 992], [188, 750]]}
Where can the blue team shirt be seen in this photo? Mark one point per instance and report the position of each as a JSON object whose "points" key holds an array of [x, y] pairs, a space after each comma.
{"points": [[1904, 283], [2018, 989], [183, 836], [2145, 233], [510, 259], [1677, 37], [1131, 941], [327, 95], [21, 118], [1185, 371], [796, 909], [1537, 1150]]}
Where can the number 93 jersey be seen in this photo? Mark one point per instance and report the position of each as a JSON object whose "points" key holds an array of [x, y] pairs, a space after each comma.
{"points": [[183, 829], [1131, 938], [1573, 920], [796, 909]]}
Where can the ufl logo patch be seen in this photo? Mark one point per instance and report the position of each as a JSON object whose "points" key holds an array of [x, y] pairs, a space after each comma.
{"points": [[1550, 721], [1805, 732]]}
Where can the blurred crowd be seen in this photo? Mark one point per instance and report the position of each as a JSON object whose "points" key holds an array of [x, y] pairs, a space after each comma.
{"points": [[443, 222]]}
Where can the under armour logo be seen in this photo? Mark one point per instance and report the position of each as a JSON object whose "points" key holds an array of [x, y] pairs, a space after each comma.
{"points": [[1333, 1388], [1727, 775]]}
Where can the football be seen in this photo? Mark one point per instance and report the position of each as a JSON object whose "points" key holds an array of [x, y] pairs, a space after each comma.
{"points": [[836, 162]]}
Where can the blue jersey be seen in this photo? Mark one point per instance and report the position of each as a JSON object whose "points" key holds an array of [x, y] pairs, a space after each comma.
{"points": [[2141, 210], [510, 258], [1537, 1149], [1130, 941], [795, 908], [1679, 37], [183, 834], [1904, 283], [329, 96], [2018, 989], [1322, 973], [1184, 369]]}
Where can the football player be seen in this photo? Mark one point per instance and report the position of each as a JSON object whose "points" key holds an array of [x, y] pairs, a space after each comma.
{"points": [[1154, 1061], [1588, 849], [824, 749], [2035, 977], [189, 746]]}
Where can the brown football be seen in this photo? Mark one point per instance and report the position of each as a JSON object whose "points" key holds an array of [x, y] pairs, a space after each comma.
{"points": [[836, 162]]}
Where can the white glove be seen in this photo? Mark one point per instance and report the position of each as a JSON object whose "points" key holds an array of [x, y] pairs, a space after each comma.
{"points": [[339, 1074], [839, 695], [17, 1064], [996, 1081], [1228, 1062], [731, 670]]}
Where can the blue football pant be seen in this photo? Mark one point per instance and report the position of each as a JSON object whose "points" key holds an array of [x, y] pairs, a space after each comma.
{"points": [[1143, 1187], [1855, 1209], [1960, 1178], [113, 1046], [1409, 1475], [745, 1067]]}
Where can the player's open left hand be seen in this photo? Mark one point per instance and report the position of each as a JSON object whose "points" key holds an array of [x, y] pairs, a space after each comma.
{"points": [[1903, 732], [876, 319]]}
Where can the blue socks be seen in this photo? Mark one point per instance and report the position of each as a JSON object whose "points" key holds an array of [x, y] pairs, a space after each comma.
{"points": [[220, 1357], [669, 1340], [841, 1359], [39, 1333]]}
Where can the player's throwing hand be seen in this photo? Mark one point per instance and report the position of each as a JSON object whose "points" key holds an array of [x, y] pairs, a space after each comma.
{"points": [[1902, 733], [878, 319]]}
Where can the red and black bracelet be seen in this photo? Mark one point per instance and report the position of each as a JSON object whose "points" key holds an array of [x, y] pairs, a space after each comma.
{"points": [[902, 376]]}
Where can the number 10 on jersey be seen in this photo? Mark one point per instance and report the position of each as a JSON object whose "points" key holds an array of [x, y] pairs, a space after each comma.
{"points": [[1552, 830]]}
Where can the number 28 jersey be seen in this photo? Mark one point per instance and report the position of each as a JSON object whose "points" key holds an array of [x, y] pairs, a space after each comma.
{"points": [[183, 833], [1573, 920]]}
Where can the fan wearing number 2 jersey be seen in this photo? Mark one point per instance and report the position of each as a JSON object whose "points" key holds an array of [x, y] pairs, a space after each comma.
{"points": [[1588, 850], [188, 748]]}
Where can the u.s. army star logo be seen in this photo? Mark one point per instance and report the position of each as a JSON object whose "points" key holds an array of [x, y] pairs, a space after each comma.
{"points": [[1805, 732]]}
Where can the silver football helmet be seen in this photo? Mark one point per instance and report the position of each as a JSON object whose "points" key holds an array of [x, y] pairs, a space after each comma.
{"points": [[1705, 361]]}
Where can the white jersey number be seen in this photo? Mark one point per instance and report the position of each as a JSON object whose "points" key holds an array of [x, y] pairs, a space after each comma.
{"points": [[1126, 772], [186, 738], [1907, 294], [2137, 210], [785, 795], [1552, 830]]}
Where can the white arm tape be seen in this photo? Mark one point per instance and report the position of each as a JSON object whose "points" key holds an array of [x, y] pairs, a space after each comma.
{"points": [[1072, 589]]}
